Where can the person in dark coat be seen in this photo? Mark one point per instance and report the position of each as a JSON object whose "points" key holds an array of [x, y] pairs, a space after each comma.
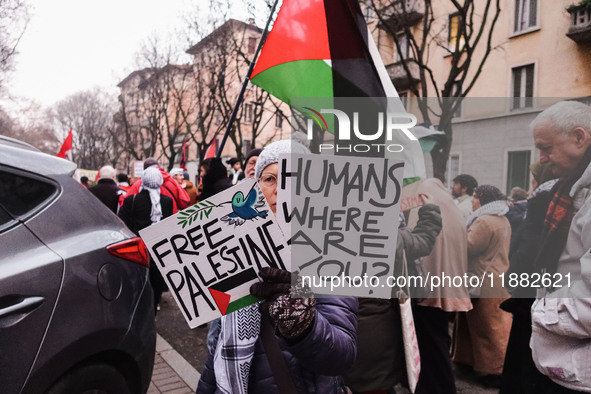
{"points": [[520, 374], [214, 177], [106, 188], [170, 187], [517, 209], [380, 362], [143, 209]]}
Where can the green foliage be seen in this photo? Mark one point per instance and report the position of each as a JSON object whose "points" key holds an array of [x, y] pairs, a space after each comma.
{"points": [[196, 212]]}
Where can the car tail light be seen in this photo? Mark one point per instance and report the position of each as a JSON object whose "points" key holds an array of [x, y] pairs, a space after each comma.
{"points": [[132, 249]]}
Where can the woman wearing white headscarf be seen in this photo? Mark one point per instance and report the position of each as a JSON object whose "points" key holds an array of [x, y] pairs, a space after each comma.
{"points": [[144, 209]]}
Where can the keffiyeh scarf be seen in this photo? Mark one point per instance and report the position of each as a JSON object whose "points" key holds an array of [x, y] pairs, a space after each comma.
{"points": [[151, 181], [496, 208], [235, 348]]}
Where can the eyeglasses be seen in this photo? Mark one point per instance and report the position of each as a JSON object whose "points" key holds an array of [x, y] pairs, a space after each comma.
{"points": [[268, 181]]}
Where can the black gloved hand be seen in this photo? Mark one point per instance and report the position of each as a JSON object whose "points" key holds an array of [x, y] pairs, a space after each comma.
{"points": [[292, 309]]}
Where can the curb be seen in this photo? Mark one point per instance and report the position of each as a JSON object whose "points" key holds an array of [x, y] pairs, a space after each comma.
{"points": [[178, 364]]}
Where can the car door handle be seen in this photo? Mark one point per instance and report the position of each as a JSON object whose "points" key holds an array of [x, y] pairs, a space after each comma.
{"points": [[18, 310]]}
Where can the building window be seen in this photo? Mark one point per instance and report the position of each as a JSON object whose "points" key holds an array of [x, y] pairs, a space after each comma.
{"points": [[248, 113], [403, 44], [246, 147], [526, 15], [453, 168], [279, 120], [518, 163], [454, 32], [252, 45], [523, 86], [369, 12]]}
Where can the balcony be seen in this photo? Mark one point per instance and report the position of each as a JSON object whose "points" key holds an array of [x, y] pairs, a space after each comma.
{"points": [[400, 78], [580, 27], [402, 13]]}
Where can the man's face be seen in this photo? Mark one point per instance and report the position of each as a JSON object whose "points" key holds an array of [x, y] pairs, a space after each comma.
{"points": [[563, 152], [249, 167], [457, 190], [179, 178]]}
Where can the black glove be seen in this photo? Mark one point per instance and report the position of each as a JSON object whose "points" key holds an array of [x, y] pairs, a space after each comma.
{"points": [[292, 309]]}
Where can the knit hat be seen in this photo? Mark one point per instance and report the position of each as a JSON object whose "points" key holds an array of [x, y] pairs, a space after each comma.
{"points": [[107, 172], [253, 152], [271, 153], [152, 178], [176, 171], [149, 162], [488, 193], [232, 161], [541, 172]]}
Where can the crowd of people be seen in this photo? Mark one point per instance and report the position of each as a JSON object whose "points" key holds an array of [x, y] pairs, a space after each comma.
{"points": [[513, 334]]}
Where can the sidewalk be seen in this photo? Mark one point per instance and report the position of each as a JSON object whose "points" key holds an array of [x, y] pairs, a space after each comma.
{"points": [[172, 373]]}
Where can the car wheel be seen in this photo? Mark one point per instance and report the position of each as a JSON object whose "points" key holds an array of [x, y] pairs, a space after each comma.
{"points": [[91, 379]]}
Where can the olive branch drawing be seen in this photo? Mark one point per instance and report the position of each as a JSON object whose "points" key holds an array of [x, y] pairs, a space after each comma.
{"points": [[196, 212]]}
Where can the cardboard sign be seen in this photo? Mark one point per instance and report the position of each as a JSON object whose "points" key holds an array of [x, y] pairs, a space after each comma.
{"points": [[341, 216], [210, 253], [137, 169], [410, 197]]}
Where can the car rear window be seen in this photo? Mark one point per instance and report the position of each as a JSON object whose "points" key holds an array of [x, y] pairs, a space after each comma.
{"points": [[20, 194]]}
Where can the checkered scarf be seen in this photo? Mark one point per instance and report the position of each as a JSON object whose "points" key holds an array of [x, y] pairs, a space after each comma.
{"points": [[235, 348], [559, 217], [151, 181]]}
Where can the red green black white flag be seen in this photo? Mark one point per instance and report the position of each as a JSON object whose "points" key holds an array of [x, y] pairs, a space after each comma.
{"points": [[323, 49]]}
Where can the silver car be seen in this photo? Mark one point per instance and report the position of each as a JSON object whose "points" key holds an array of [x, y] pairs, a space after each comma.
{"points": [[76, 307]]}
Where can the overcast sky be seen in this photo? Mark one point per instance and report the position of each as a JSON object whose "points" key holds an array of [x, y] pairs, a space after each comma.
{"points": [[74, 45]]}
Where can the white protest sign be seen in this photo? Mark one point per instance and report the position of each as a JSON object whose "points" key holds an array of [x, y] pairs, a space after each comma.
{"points": [[341, 215], [209, 254]]}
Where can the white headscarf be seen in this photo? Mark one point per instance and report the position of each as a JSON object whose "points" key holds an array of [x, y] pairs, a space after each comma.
{"points": [[151, 181]]}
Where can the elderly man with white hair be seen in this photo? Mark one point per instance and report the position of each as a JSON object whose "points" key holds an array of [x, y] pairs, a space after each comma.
{"points": [[561, 316]]}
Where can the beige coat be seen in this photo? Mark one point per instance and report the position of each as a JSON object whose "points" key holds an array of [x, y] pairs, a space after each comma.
{"points": [[489, 238], [481, 335], [449, 255]]}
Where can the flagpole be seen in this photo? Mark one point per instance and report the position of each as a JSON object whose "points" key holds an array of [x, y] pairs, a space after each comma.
{"points": [[245, 83]]}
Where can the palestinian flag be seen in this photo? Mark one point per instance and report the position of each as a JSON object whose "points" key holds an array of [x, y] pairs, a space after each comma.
{"points": [[320, 48], [323, 49]]}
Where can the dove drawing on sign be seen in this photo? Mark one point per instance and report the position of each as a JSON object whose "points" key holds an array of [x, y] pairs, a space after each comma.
{"points": [[244, 209]]}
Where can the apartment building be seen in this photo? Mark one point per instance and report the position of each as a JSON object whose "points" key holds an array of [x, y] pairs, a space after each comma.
{"points": [[541, 54], [193, 103]]}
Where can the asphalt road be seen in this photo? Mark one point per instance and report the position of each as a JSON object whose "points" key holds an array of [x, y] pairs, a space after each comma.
{"points": [[191, 344]]}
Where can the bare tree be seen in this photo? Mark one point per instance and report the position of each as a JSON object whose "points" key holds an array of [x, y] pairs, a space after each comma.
{"points": [[468, 43], [90, 115], [164, 103], [14, 17], [221, 60], [31, 124]]}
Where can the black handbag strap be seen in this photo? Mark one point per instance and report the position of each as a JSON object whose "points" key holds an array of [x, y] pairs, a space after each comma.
{"points": [[276, 360]]}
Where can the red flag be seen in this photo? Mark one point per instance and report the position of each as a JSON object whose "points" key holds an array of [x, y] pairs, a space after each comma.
{"points": [[66, 150], [183, 164], [212, 148]]}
